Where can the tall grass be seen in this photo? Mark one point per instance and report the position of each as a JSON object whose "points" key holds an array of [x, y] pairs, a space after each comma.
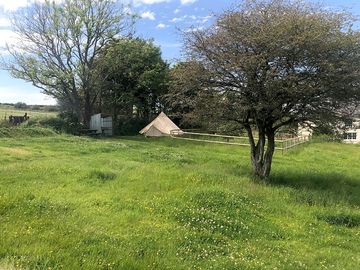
{"points": [[135, 203], [23, 132]]}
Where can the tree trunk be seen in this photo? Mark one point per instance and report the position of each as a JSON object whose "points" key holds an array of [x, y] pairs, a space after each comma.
{"points": [[261, 160], [268, 155], [87, 110]]}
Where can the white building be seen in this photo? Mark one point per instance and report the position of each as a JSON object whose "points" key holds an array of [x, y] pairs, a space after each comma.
{"points": [[352, 129]]}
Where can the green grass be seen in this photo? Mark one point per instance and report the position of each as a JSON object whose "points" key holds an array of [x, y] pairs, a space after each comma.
{"points": [[136, 203], [7, 110], [23, 132]]}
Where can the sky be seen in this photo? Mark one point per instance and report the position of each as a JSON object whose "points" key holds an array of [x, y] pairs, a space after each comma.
{"points": [[159, 20]]}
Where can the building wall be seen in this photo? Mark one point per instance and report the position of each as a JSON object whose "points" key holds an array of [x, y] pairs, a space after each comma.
{"points": [[354, 129], [95, 123], [106, 126], [102, 125]]}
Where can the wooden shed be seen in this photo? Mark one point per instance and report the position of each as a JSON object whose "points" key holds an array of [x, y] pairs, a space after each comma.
{"points": [[102, 124]]}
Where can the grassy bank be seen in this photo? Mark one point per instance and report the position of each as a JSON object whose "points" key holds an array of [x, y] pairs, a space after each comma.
{"points": [[134, 203], [24, 132]]}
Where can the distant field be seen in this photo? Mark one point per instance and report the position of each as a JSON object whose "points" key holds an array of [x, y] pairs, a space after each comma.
{"points": [[134, 203], [6, 111]]}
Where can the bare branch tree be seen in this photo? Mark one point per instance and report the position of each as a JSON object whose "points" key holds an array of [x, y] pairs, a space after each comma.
{"points": [[58, 43]]}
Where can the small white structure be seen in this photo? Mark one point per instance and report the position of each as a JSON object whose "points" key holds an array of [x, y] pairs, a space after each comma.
{"points": [[352, 130], [160, 126], [102, 124]]}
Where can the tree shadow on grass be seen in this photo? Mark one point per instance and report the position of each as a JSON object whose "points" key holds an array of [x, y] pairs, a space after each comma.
{"points": [[315, 188]]}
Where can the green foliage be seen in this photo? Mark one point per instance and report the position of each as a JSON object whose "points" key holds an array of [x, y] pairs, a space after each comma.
{"points": [[327, 138], [346, 220], [267, 64], [64, 69], [135, 203], [136, 76], [181, 98], [19, 132], [5, 124], [20, 105], [64, 123], [130, 126]]}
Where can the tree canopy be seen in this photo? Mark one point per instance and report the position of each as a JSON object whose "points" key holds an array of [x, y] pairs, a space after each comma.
{"points": [[269, 64], [57, 46], [134, 77]]}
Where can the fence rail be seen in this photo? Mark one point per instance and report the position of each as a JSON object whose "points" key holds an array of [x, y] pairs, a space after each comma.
{"points": [[280, 144]]}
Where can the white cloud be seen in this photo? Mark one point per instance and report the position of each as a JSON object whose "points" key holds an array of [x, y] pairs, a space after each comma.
{"points": [[161, 26], [177, 19], [191, 19], [150, 2], [176, 11], [6, 37], [185, 2], [148, 15], [168, 45], [12, 5], [4, 22], [194, 29], [206, 19], [26, 94]]}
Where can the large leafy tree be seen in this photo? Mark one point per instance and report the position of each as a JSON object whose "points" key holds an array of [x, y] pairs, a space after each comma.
{"points": [[270, 64], [57, 46], [134, 77], [182, 100]]}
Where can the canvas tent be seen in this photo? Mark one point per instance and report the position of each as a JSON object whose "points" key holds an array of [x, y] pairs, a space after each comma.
{"points": [[160, 126]]}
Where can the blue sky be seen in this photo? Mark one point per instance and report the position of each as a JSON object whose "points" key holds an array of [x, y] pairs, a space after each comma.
{"points": [[160, 20]]}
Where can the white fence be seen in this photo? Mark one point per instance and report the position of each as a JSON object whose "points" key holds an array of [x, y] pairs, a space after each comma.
{"points": [[280, 144]]}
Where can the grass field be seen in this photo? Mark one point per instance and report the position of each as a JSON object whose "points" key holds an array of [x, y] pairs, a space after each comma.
{"points": [[135, 203], [7, 110]]}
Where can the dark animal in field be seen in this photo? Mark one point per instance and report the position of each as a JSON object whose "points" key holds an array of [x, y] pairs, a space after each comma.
{"points": [[17, 120]]}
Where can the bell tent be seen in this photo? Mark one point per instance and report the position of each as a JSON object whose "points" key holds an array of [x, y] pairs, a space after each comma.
{"points": [[160, 126]]}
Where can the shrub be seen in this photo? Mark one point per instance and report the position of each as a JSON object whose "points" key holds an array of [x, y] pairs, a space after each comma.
{"points": [[346, 220], [36, 108], [130, 127], [61, 125], [16, 132], [326, 138], [55, 123], [52, 108], [5, 124], [103, 176], [20, 105], [71, 123]]}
